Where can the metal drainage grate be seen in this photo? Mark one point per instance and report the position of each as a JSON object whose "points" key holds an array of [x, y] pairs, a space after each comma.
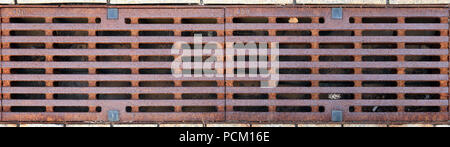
{"points": [[373, 64], [75, 64]]}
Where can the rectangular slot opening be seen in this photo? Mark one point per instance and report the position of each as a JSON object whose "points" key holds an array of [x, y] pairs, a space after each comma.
{"points": [[70, 71], [294, 84], [336, 58], [250, 33], [70, 20], [378, 58], [251, 20], [27, 58], [199, 21], [70, 84], [113, 33], [422, 58], [422, 20], [422, 71], [113, 96], [379, 109], [381, 96], [155, 46], [155, 21], [157, 84], [156, 109], [295, 71], [70, 33], [379, 45], [422, 96], [156, 96], [251, 108], [70, 58], [422, 45], [113, 46], [336, 45], [113, 71], [113, 84], [27, 96], [293, 109], [336, 71], [156, 58], [422, 109], [294, 33], [336, 84], [294, 20], [379, 20], [379, 84], [202, 33], [246, 84], [27, 84], [294, 45], [379, 71], [155, 71], [336, 33], [336, 96], [250, 96], [156, 33], [70, 109], [27, 33], [287, 96], [199, 109], [199, 96], [27, 20], [28, 109], [422, 84], [70, 45], [380, 33], [422, 33], [27, 71], [199, 84], [113, 58], [293, 58], [27, 45], [71, 96]]}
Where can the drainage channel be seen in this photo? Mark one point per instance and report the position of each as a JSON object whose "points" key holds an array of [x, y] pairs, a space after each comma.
{"points": [[99, 64]]}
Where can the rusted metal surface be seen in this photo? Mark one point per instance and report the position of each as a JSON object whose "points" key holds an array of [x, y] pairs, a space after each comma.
{"points": [[406, 52], [129, 107], [357, 107]]}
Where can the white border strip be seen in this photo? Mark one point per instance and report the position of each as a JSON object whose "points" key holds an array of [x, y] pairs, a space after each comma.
{"points": [[248, 1], [154, 1], [59, 1], [341, 1], [419, 1], [6, 1]]}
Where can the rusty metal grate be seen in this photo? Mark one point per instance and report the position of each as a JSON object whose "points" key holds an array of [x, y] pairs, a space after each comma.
{"points": [[75, 64], [376, 64]]}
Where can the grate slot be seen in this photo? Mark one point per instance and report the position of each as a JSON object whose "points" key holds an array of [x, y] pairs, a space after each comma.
{"points": [[27, 33], [156, 33], [153, 21], [70, 33], [26, 20]]}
